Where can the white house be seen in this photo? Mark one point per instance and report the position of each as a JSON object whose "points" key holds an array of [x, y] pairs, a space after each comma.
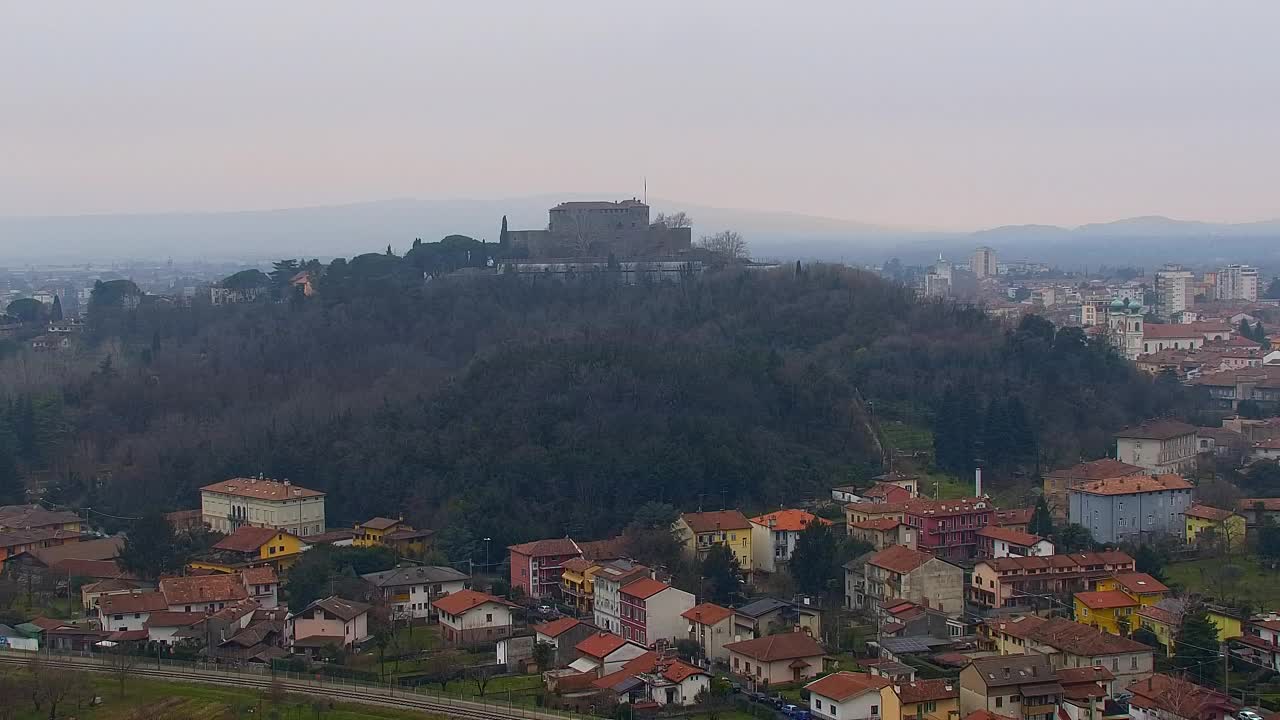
{"points": [[672, 682], [855, 695], [774, 535], [263, 586], [129, 611], [331, 621], [604, 653], [410, 590], [470, 616], [608, 580], [845, 494], [202, 593], [999, 542], [227, 505], [164, 624]]}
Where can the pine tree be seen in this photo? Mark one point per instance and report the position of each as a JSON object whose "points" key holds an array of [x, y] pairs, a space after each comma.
{"points": [[1245, 329], [56, 315], [721, 575], [150, 548], [1197, 646], [816, 558], [1041, 519]]}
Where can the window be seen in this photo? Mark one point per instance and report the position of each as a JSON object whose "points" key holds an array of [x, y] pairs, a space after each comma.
{"points": [[119, 617], [748, 668], [999, 701], [1133, 663], [1115, 664], [875, 710], [930, 706], [488, 617]]}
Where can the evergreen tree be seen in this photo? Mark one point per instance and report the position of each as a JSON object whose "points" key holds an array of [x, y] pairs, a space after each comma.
{"points": [[1196, 651], [956, 428], [1260, 334], [815, 563], [56, 313], [1041, 520], [1024, 446], [1245, 329], [1150, 561], [721, 576], [502, 234], [997, 436], [150, 548]]}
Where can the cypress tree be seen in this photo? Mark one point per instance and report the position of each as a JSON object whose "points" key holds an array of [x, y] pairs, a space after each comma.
{"points": [[1041, 520], [502, 234], [57, 309], [1197, 646]]}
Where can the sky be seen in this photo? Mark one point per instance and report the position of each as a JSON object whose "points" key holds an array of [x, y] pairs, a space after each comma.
{"points": [[945, 115]]}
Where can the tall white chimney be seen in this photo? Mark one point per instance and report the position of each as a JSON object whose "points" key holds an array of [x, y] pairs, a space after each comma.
{"points": [[977, 482]]}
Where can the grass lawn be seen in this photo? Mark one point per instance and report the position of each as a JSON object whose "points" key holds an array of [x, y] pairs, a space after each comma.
{"points": [[1253, 583], [158, 700], [944, 487], [904, 437]]}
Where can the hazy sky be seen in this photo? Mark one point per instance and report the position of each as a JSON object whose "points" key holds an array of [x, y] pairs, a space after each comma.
{"points": [[949, 114]]}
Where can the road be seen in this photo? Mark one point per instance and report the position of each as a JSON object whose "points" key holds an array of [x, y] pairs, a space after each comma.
{"points": [[389, 696]]}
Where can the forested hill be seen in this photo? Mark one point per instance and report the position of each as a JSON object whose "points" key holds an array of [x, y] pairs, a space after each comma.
{"points": [[524, 410]]}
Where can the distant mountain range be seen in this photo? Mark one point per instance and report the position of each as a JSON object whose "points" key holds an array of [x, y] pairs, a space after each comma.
{"points": [[262, 235]]}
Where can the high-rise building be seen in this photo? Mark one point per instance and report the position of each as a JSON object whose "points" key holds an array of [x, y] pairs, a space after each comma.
{"points": [[1238, 282], [1173, 290], [983, 263]]}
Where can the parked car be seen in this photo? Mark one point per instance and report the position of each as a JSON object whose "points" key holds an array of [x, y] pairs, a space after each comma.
{"points": [[789, 710], [1248, 714]]}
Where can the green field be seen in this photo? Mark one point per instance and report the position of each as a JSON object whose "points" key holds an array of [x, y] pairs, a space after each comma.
{"points": [[158, 700], [1248, 582], [907, 438]]}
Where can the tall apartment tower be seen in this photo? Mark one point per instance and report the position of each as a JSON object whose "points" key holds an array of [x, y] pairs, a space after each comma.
{"points": [[1238, 282], [1173, 290], [983, 262]]}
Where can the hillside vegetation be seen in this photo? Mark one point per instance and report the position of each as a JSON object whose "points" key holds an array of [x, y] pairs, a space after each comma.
{"points": [[521, 410]]}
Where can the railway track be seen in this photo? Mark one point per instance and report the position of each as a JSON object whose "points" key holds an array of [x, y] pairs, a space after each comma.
{"points": [[389, 698]]}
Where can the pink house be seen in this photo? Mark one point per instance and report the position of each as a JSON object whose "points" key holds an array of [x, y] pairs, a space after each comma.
{"points": [[536, 566], [948, 529], [651, 610]]}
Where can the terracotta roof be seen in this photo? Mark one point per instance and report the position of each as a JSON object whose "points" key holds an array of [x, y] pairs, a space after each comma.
{"points": [[841, 686], [678, 671], [878, 524], [705, 522], [109, 584], [464, 600], [246, 538], [873, 508], [1160, 615], [203, 589], [15, 538], [1205, 512], [791, 520], [100, 549], [1015, 516], [260, 576], [340, 608], [985, 715], [1137, 582], [1157, 430], [943, 508], [547, 548], [707, 613], [642, 663], [1013, 537], [165, 618], [1171, 331], [600, 645], [556, 628], [1097, 470], [261, 489], [1093, 673], [415, 575], [887, 491], [120, 636], [404, 533], [578, 565], [929, 690], [26, 517], [104, 569], [644, 588], [139, 602], [1020, 626], [899, 558], [1135, 484], [319, 641], [1082, 640], [1105, 599], [614, 547], [380, 523], [330, 536], [1270, 504], [778, 647], [1178, 697]]}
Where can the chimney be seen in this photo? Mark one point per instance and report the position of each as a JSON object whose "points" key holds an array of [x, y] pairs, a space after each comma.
{"points": [[977, 482], [1035, 671], [1006, 672]]}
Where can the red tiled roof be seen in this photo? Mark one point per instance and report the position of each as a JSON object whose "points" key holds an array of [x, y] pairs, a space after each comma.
{"points": [[944, 508], [261, 489], [1105, 599], [1137, 582], [790, 520], [577, 565], [679, 672], [778, 647], [640, 664], [260, 576], [929, 690], [1015, 516], [899, 558], [1171, 331], [716, 520], [1082, 640], [1157, 430], [1093, 673], [464, 600], [1135, 484], [165, 618], [1179, 697], [873, 508], [547, 548], [841, 686], [1013, 537], [600, 645], [985, 715], [878, 524], [644, 588], [707, 613], [1205, 512], [1021, 626], [1270, 504], [203, 589], [380, 523], [1159, 614], [139, 602], [1097, 470], [246, 539], [556, 628]]}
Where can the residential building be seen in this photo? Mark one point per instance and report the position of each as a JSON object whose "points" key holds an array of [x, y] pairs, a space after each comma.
{"points": [[983, 263], [883, 532], [698, 532], [1173, 291], [1135, 508], [861, 512], [650, 610], [607, 582], [129, 611], [933, 699], [227, 505], [905, 619], [1161, 697], [16, 542], [536, 567], [1016, 686], [998, 542], [900, 573], [1228, 389], [469, 617], [562, 635], [329, 621], [774, 535], [1214, 527], [263, 586], [767, 616], [577, 584], [1085, 692], [853, 695], [1230, 622], [1019, 582], [1237, 282], [948, 528], [1110, 611], [91, 593], [1144, 589], [900, 489], [782, 658], [845, 494], [1013, 518], [604, 654], [1164, 620], [1059, 483], [203, 593], [394, 533], [711, 626], [409, 590], [655, 680], [1070, 644], [1260, 642], [250, 546], [36, 517], [1159, 446], [1257, 511]]}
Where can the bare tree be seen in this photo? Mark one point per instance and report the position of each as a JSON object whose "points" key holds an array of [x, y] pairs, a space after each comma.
{"points": [[481, 674], [728, 243], [10, 688], [50, 687], [122, 665], [674, 220]]}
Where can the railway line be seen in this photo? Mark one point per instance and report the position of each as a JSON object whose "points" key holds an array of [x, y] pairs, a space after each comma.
{"points": [[388, 697]]}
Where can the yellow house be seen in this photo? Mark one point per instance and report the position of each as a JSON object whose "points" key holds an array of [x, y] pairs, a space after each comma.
{"points": [[1143, 588], [1110, 611], [930, 699], [369, 533], [1205, 524], [1162, 623], [698, 532], [1229, 626], [393, 533], [251, 546], [578, 584]]}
